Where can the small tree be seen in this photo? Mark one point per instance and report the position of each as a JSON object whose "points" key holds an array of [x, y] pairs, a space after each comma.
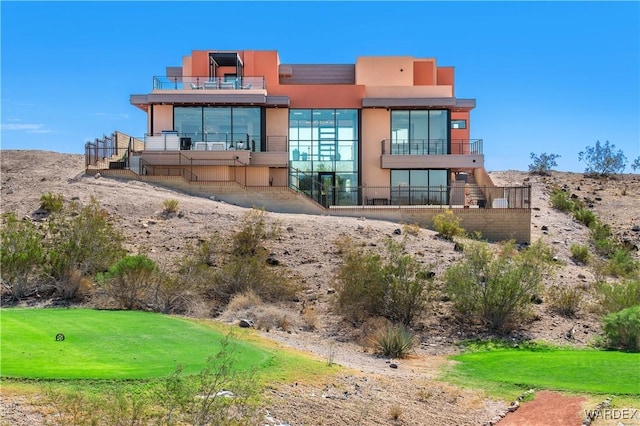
{"points": [[603, 159], [542, 164], [636, 164]]}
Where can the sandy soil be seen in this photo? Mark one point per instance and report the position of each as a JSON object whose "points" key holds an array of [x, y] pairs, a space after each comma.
{"points": [[369, 392]]}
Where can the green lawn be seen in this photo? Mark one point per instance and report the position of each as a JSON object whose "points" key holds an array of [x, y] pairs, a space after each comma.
{"points": [[589, 371], [111, 344]]}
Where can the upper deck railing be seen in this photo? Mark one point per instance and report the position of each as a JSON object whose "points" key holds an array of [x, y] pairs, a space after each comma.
{"points": [[431, 147], [207, 83]]}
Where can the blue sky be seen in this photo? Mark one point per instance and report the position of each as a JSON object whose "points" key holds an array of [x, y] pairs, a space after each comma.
{"points": [[550, 77]]}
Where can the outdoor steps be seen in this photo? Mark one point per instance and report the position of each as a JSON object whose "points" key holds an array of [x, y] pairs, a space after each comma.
{"points": [[477, 196]]}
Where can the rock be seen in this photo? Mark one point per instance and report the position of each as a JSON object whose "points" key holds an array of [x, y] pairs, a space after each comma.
{"points": [[397, 231], [212, 197], [393, 365], [544, 227], [458, 247], [513, 406], [97, 176], [635, 228], [9, 190], [272, 261], [331, 290], [245, 323]]}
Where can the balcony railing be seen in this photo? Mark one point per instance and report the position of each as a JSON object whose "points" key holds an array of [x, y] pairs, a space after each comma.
{"points": [[431, 147], [207, 83]]}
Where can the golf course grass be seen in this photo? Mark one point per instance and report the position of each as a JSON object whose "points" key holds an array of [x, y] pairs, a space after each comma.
{"points": [[589, 371], [116, 345]]}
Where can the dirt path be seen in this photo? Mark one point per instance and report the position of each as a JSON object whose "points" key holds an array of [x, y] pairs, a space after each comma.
{"points": [[546, 409]]}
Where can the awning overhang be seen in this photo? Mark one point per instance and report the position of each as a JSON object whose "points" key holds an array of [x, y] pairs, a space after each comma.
{"points": [[448, 103]]}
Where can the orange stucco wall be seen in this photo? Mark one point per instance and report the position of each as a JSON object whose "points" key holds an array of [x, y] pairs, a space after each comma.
{"points": [[384, 70], [460, 133], [162, 117], [445, 76], [278, 122], [424, 72], [375, 128], [321, 96]]}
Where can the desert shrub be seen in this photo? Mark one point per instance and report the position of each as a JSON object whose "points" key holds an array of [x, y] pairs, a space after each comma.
{"points": [[560, 200], [622, 329], [542, 164], [239, 275], [622, 264], [21, 255], [614, 297], [310, 318], [496, 288], [395, 341], [603, 159], [602, 238], [585, 216], [369, 284], [580, 253], [131, 282], [83, 239], [447, 224], [636, 164], [213, 405], [360, 282], [248, 240], [411, 229], [52, 203], [169, 206], [246, 300], [564, 300], [74, 286]]}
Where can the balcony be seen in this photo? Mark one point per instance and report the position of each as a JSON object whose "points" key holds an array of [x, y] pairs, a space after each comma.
{"points": [[431, 153], [208, 83]]}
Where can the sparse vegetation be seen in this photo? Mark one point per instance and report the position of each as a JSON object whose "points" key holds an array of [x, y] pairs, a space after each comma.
{"points": [[22, 255], [169, 206], [369, 284], [622, 329], [636, 164], [447, 224], [52, 203], [560, 200], [565, 300], [131, 282], [602, 159], [580, 253], [394, 341], [542, 164], [616, 296], [496, 288]]}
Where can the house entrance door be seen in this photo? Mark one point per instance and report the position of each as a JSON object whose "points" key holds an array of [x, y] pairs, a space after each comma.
{"points": [[326, 188]]}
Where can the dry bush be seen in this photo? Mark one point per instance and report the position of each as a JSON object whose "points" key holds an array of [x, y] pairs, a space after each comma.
{"points": [[169, 206], [411, 229], [244, 301], [74, 286], [369, 328], [395, 412], [564, 300], [310, 318]]}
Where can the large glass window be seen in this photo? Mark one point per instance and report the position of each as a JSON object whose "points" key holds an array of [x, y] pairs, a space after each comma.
{"points": [[419, 132], [325, 141], [237, 127], [415, 187]]}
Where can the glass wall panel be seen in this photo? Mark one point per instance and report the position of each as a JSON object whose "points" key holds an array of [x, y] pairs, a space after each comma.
{"points": [[217, 124], [419, 187], [438, 131], [188, 122], [220, 124], [419, 132], [325, 141], [399, 132]]}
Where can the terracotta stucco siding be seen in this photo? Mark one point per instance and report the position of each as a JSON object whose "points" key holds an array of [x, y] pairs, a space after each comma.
{"points": [[162, 118], [375, 128], [278, 122], [384, 70], [445, 77], [424, 72], [321, 96]]}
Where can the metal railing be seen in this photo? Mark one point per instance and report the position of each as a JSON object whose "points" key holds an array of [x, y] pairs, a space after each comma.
{"points": [[431, 147], [207, 83], [100, 149]]}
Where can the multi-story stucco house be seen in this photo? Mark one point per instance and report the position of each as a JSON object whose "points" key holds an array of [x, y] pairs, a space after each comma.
{"points": [[386, 131]]}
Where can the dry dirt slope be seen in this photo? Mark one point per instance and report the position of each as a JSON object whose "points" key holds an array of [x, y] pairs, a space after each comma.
{"points": [[306, 247]]}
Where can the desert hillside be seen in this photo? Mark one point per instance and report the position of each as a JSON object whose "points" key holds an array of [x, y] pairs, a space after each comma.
{"points": [[306, 250]]}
